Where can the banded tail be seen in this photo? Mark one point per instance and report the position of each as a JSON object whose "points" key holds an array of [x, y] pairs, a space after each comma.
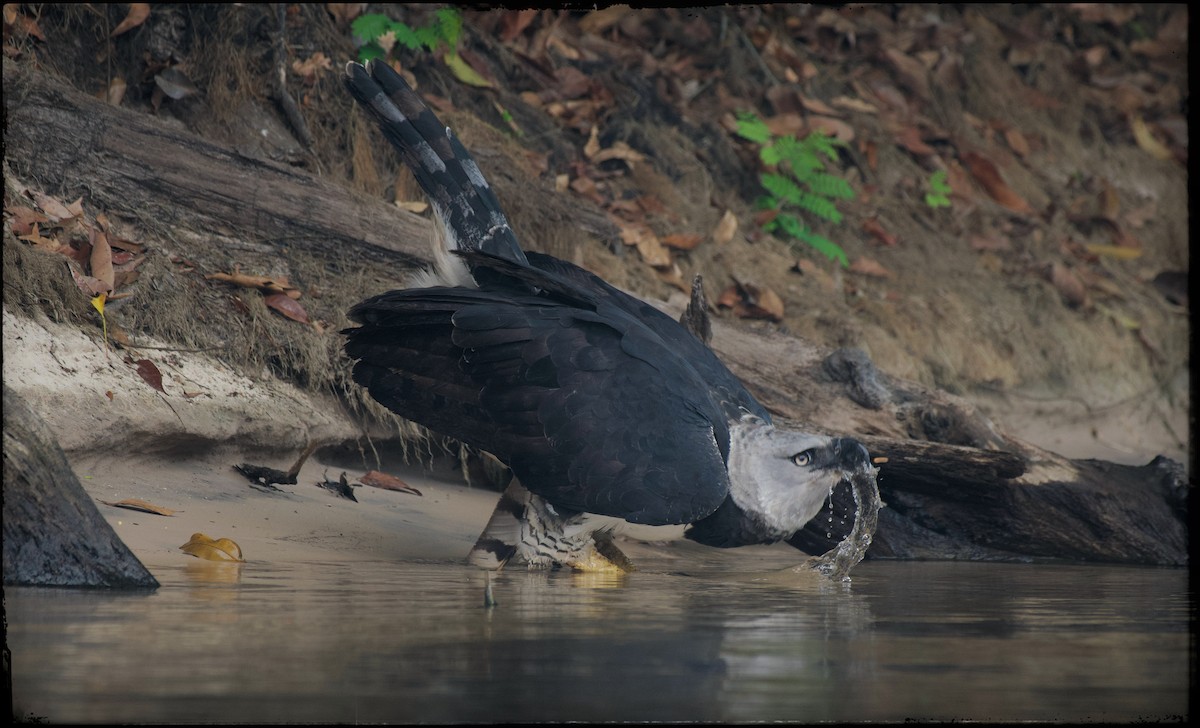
{"points": [[465, 204]]}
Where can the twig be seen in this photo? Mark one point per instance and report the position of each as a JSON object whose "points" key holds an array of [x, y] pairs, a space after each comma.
{"points": [[282, 97]]}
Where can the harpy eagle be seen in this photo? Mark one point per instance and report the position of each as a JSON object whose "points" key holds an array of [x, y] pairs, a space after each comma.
{"points": [[604, 408]]}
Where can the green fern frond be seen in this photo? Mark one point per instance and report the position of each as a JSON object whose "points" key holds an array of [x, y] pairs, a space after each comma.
{"points": [[825, 246], [369, 27], [939, 190], [752, 128], [819, 206], [818, 142], [829, 185], [782, 188]]}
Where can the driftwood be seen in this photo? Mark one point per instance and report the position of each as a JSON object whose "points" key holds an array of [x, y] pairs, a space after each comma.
{"points": [[955, 487], [134, 162], [53, 533]]}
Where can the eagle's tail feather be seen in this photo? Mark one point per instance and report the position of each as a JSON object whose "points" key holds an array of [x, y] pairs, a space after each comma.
{"points": [[461, 197]]}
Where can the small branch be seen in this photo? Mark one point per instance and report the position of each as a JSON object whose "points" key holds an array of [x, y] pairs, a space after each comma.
{"points": [[282, 97]]}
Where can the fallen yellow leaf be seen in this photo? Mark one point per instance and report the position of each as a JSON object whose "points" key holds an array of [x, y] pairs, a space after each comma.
{"points": [[1120, 252], [204, 547], [464, 72], [1146, 140]]}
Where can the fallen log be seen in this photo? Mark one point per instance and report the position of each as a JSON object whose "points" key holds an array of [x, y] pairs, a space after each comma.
{"points": [[956, 488]]}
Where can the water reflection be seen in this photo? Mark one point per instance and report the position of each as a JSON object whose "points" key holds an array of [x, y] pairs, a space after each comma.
{"points": [[413, 642]]}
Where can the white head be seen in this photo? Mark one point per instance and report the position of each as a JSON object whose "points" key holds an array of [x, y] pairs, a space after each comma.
{"points": [[783, 477]]}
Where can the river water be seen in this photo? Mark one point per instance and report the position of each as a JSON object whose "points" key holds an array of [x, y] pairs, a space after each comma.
{"points": [[675, 641]]}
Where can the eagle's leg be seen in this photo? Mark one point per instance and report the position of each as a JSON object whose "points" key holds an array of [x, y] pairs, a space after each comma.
{"points": [[525, 529]]}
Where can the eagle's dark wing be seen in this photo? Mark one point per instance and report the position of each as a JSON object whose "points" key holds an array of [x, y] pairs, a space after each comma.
{"points": [[727, 389], [592, 410]]}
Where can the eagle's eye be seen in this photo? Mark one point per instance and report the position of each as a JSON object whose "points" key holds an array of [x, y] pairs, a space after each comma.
{"points": [[803, 458]]}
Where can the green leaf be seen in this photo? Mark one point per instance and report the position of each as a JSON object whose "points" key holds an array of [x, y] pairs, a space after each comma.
{"points": [[369, 27], [449, 26], [428, 36], [369, 52], [781, 188], [825, 246], [464, 72], [749, 126], [818, 206], [798, 156], [938, 184], [407, 37], [938, 190], [789, 224], [819, 142], [828, 185]]}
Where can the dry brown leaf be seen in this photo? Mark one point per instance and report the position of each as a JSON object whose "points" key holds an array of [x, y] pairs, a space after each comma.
{"points": [[854, 104], [309, 67], [287, 306], [76, 207], [875, 228], [386, 481], [992, 241], [87, 284], [680, 241], [25, 220], [137, 504], [750, 301], [205, 547], [56, 210], [514, 22], [815, 273], [832, 127], [988, 177], [870, 267], [101, 258], [786, 124], [621, 151], [1146, 140], [817, 106], [23, 23], [11, 13], [910, 138], [263, 283], [1068, 284], [673, 276], [50, 245], [115, 92], [343, 13], [870, 150], [588, 189], [1017, 142], [149, 374], [592, 147], [138, 12], [725, 229], [912, 72], [597, 21], [648, 245], [729, 297]]}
